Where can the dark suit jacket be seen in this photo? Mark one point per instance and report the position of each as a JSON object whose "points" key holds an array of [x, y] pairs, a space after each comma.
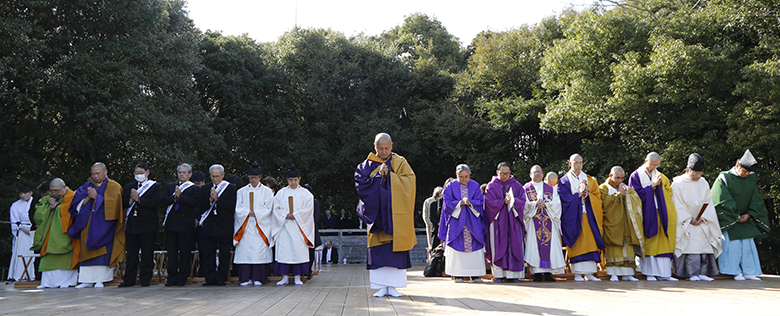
{"points": [[147, 219], [329, 223], [334, 256], [221, 225], [185, 218]]}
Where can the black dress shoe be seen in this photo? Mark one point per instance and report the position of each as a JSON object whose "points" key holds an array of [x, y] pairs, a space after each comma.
{"points": [[170, 284], [538, 277], [548, 277], [209, 283], [220, 283], [144, 285], [126, 285]]}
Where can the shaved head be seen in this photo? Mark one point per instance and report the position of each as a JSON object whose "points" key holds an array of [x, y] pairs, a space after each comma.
{"points": [[382, 138], [616, 170], [574, 157], [653, 156]]}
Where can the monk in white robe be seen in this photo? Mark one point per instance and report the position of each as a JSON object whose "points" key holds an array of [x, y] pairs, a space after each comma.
{"points": [[293, 224], [23, 236], [542, 217], [698, 238], [252, 230]]}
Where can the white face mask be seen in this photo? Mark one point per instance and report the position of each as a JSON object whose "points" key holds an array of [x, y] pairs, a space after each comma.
{"points": [[140, 177]]}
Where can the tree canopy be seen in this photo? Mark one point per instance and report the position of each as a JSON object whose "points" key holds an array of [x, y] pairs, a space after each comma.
{"points": [[125, 82]]}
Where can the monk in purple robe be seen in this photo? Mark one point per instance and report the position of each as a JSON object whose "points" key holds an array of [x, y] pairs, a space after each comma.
{"points": [[98, 229], [386, 186], [462, 227], [505, 232]]}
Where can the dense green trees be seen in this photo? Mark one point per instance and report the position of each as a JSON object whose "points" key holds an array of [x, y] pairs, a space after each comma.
{"points": [[127, 82]]}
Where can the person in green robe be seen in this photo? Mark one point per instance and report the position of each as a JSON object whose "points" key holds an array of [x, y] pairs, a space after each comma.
{"points": [[58, 265], [743, 218]]}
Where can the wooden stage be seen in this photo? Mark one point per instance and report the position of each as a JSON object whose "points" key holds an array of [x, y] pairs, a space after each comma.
{"points": [[343, 290]]}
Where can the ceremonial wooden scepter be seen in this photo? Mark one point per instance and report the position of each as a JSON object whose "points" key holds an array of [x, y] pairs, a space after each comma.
{"points": [[290, 202], [251, 201], [701, 212]]}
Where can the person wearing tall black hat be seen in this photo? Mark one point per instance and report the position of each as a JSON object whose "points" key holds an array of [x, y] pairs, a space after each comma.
{"points": [[293, 228], [743, 218], [217, 206], [698, 241], [181, 204], [252, 228]]}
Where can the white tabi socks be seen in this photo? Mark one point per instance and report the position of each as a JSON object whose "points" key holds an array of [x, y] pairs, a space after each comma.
{"points": [[614, 278], [630, 278], [393, 292], [590, 277], [85, 285], [284, 281], [382, 292], [298, 280], [246, 283], [258, 283]]}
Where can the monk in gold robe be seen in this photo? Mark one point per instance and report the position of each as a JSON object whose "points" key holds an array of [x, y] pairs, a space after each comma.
{"points": [[622, 225], [386, 186], [659, 218], [581, 218]]}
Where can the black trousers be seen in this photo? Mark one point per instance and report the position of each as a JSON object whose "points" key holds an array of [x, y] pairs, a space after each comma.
{"points": [[179, 246], [145, 243], [208, 258]]}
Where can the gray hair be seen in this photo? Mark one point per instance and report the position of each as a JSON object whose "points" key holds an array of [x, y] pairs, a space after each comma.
{"points": [[185, 165], [437, 191], [382, 138], [220, 167], [99, 164], [56, 183], [653, 156], [462, 167], [534, 167], [616, 169], [551, 174]]}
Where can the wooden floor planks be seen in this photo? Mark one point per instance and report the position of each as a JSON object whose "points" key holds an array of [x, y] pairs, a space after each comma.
{"points": [[344, 290]]}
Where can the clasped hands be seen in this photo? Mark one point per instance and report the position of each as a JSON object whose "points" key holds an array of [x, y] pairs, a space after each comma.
{"points": [[656, 180], [743, 218], [623, 189], [584, 190], [384, 170], [133, 195], [465, 201], [290, 217], [214, 195]]}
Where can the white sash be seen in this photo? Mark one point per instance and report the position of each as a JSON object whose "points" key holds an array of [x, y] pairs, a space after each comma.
{"points": [[220, 188], [144, 187], [182, 187]]}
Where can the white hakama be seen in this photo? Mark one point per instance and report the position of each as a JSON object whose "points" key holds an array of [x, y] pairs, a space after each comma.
{"points": [[95, 274], [57, 278], [464, 264], [387, 276]]}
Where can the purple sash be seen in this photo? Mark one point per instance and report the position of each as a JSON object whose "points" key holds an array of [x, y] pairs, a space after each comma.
{"points": [[542, 223]]}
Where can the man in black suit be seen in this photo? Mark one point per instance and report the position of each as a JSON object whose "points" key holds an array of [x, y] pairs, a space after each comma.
{"points": [[217, 206], [181, 201], [140, 199], [329, 221], [330, 255]]}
